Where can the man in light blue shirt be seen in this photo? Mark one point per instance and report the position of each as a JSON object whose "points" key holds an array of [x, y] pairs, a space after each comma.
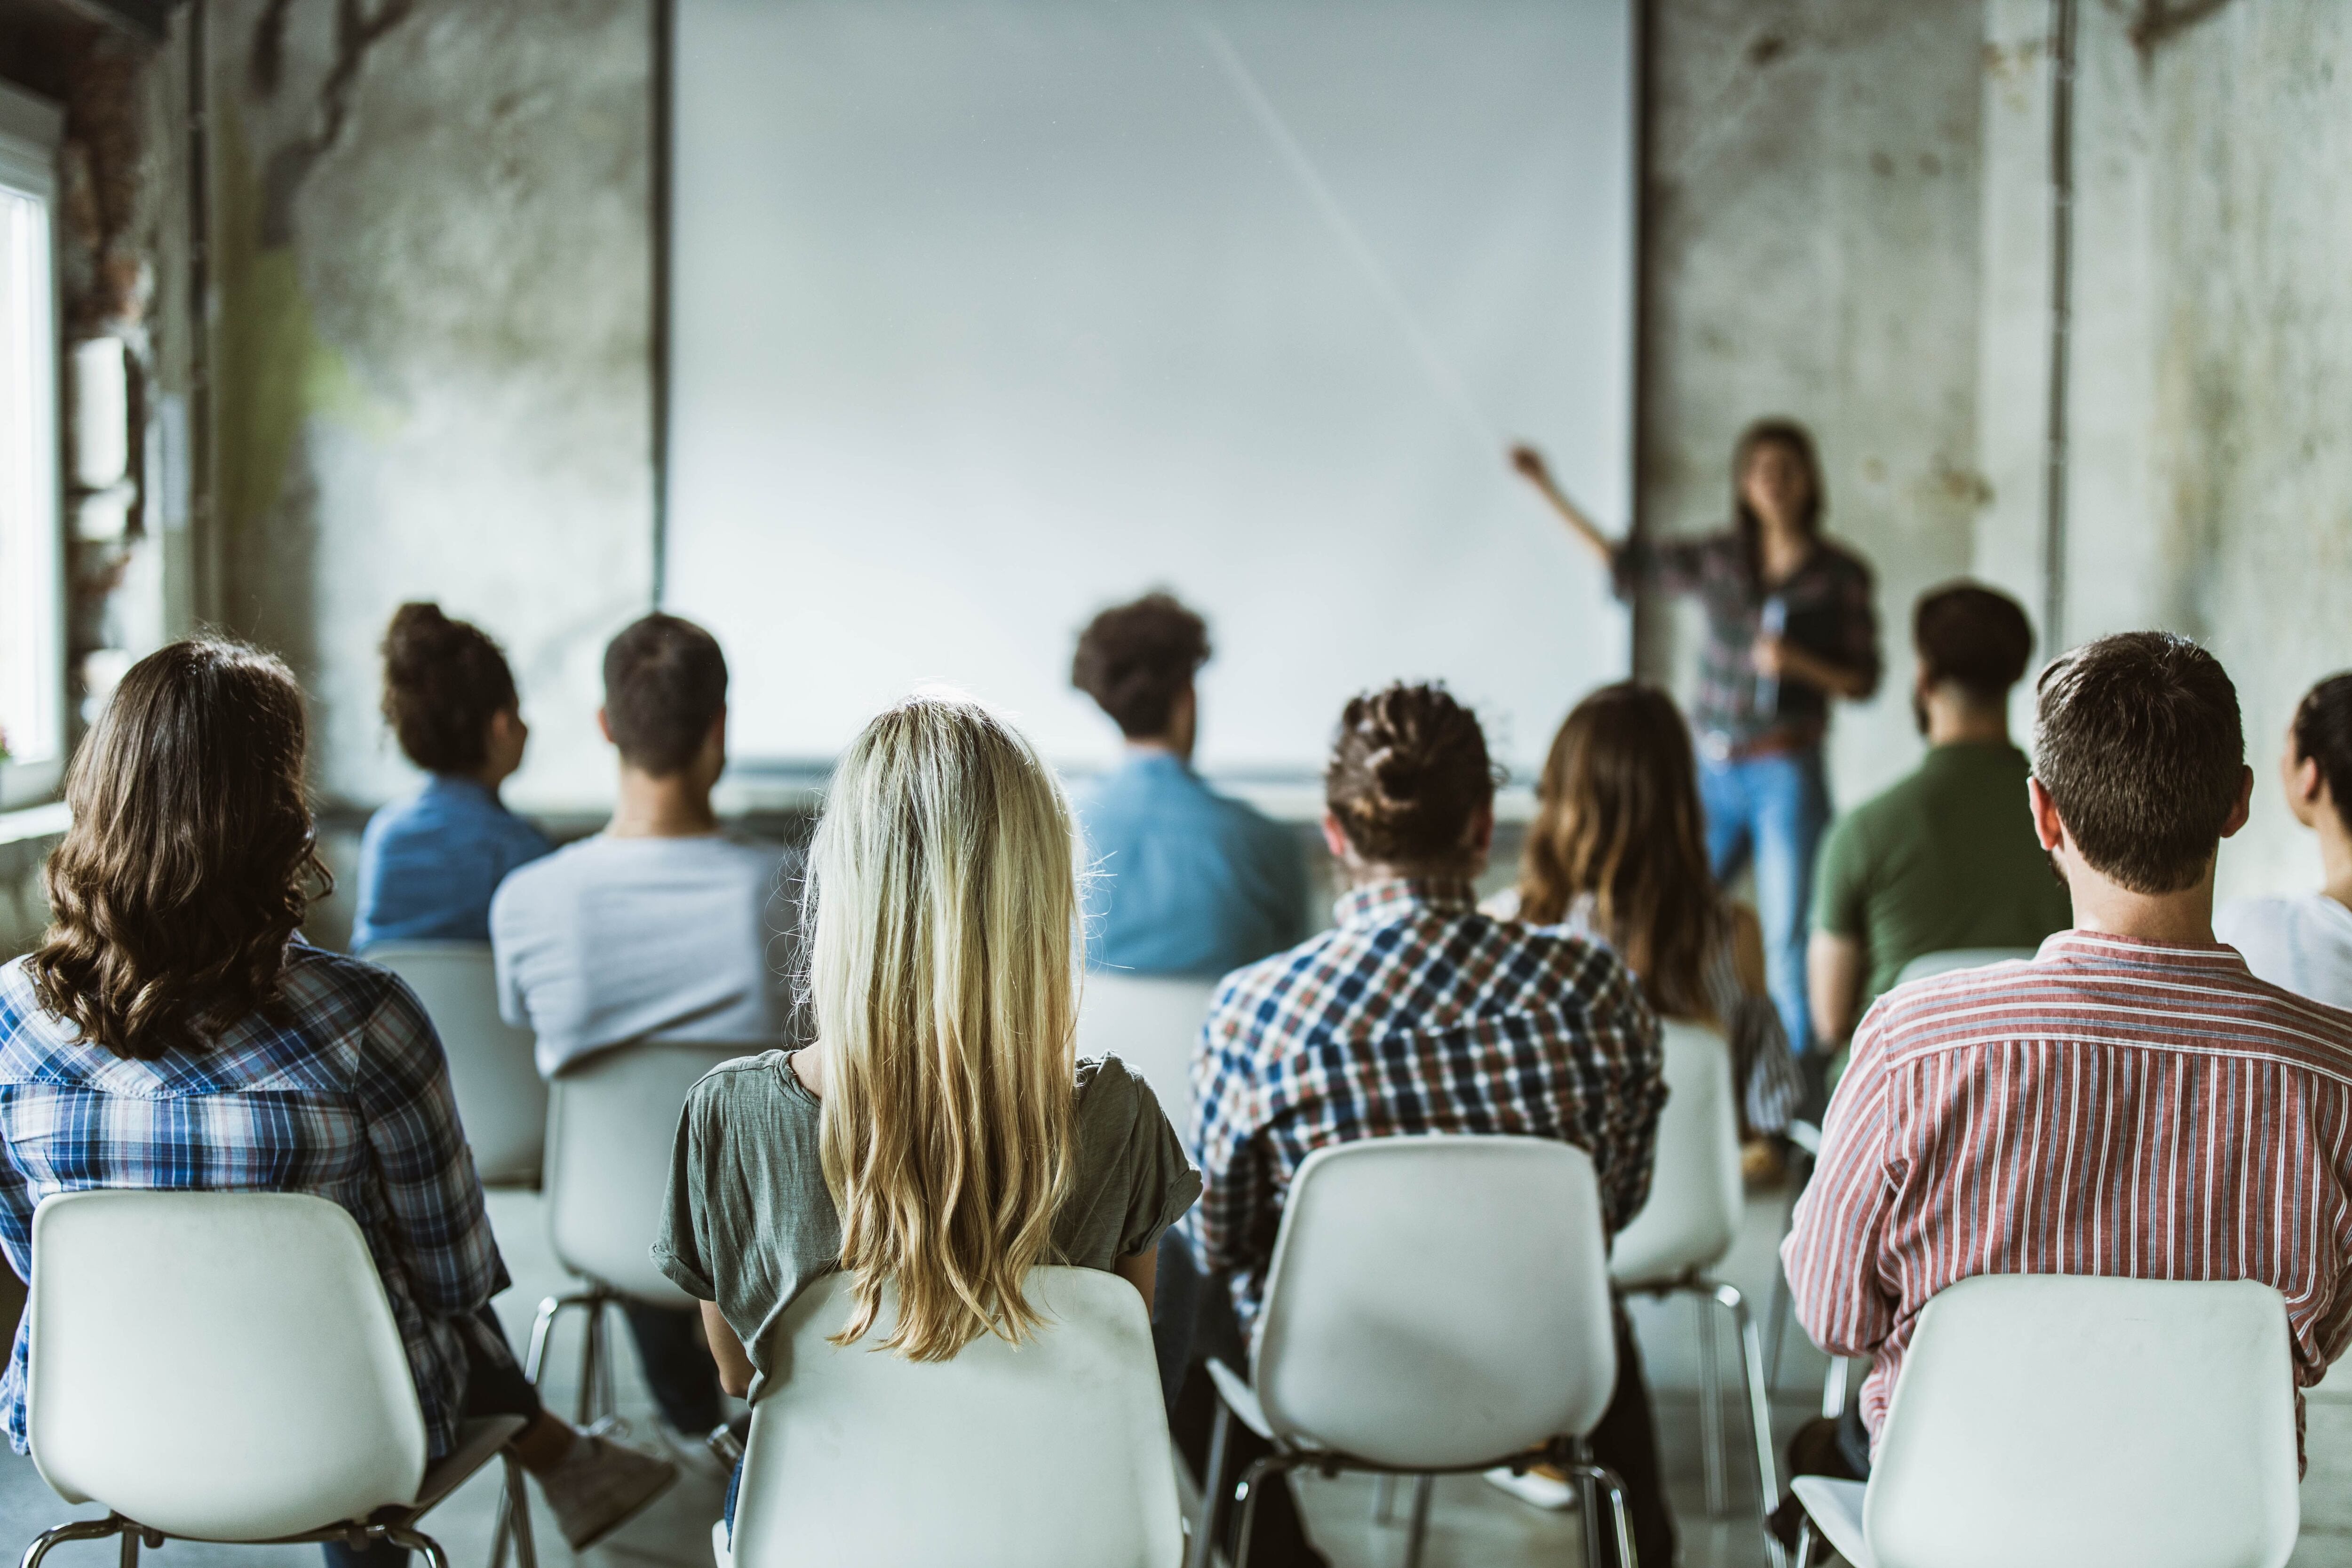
{"points": [[1186, 881]]}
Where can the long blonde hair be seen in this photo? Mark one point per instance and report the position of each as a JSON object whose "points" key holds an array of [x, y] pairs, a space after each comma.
{"points": [[942, 971]]}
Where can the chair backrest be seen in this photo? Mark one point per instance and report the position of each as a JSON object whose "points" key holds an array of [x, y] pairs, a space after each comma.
{"points": [[1053, 1453], [611, 1124], [219, 1365], [1944, 963], [2050, 1419], [1437, 1301], [1697, 1197], [1152, 1022], [501, 1099]]}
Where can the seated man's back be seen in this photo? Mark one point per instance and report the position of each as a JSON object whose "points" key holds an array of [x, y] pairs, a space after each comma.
{"points": [[613, 939], [2114, 1107], [1186, 880]]}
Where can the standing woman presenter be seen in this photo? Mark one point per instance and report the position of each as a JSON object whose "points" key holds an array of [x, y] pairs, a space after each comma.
{"points": [[1789, 625]]}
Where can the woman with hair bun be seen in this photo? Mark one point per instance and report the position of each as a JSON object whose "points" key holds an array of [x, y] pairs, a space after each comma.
{"points": [[2302, 942], [429, 864], [1417, 1015]]}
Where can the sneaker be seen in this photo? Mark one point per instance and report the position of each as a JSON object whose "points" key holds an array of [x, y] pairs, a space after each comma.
{"points": [[1762, 1167], [1539, 1484], [601, 1487]]}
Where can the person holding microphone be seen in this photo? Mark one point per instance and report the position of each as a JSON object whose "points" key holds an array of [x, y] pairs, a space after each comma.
{"points": [[1791, 623]]}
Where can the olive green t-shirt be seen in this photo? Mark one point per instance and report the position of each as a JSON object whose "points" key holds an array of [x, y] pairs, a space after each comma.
{"points": [[749, 1223], [1946, 858]]}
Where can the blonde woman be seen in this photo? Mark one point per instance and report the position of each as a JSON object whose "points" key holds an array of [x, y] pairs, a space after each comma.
{"points": [[939, 1137]]}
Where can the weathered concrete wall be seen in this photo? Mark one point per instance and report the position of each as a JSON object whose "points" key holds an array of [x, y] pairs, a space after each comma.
{"points": [[433, 248], [2210, 490], [1813, 251]]}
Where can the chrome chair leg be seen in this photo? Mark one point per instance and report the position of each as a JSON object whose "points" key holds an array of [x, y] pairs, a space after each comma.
{"points": [[1710, 1406], [1262, 1473], [1579, 1468], [515, 1519], [1607, 1480], [1759, 1414], [416, 1541], [78, 1530], [1423, 1486], [1804, 1540], [1213, 1489], [1384, 1499]]}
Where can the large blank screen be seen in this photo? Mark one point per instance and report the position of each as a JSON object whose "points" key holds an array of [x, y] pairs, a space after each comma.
{"points": [[986, 315]]}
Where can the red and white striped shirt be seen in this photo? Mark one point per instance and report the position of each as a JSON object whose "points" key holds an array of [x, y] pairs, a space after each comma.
{"points": [[2110, 1107]]}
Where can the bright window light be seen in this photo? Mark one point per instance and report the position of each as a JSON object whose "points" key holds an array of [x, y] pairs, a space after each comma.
{"points": [[32, 678]]}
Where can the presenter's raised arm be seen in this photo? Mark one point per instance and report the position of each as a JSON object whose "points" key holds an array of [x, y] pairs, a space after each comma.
{"points": [[1532, 465]]}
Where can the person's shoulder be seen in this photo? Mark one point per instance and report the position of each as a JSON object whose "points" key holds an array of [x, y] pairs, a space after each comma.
{"points": [[750, 1086], [1241, 990], [319, 975], [2265, 912], [1844, 558], [1559, 961], [1109, 1089]]}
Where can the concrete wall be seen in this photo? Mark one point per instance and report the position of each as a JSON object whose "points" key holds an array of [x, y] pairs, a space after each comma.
{"points": [[1813, 251], [433, 241]]}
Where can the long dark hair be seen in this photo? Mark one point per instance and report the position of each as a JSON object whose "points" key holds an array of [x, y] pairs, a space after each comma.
{"points": [[191, 856], [1792, 437], [1618, 817]]}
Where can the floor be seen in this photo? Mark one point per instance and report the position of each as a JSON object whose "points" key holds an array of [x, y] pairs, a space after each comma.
{"points": [[1470, 1523]]}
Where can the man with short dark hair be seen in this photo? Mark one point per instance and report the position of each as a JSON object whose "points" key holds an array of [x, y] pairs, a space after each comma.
{"points": [[1943, 858], [2131, 1102], [1188, 881], [661, 927]]}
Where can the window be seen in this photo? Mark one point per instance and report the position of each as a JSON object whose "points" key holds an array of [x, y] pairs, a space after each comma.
{"points": [[32, 571]]}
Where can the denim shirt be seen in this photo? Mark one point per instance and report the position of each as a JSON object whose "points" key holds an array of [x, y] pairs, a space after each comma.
{"points": [[429, 864], [1186, 881]]}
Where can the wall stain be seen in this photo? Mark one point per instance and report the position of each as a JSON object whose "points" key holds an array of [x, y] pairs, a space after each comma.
{"points": [[357, 30]]}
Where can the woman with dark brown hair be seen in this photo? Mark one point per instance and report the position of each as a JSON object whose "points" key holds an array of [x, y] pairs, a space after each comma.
{"points": [[1791, 624], [1617, 851], [173, 1031], [429, 864]]}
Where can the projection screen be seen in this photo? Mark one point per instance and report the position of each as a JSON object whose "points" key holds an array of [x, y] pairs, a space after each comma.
{"points": [[986, 315]]}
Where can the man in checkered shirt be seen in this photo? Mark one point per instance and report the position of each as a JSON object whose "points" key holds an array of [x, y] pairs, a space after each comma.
{"points": [[1418, 1014]]}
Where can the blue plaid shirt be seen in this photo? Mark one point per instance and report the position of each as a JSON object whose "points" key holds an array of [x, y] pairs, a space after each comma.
{"points": [[347, 1096], [1417, 1015]]}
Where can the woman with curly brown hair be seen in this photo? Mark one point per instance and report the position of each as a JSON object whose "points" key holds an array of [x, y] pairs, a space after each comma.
{"points": [[173, 1031], [429, 864], [1618, 852]]}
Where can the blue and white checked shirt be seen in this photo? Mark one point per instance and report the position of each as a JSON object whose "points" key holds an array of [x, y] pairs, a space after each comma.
{"points": [[347, 1096], [1417, 1015]]}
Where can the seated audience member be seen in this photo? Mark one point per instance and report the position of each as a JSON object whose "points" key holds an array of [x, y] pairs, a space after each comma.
{"points": [[1618, 853], [661, 927], [2304, 941], [1946, 858], [1418, 1014], [429, 864], [1188, 881], [2062, 1115], [172, 1031], [942, 887]]}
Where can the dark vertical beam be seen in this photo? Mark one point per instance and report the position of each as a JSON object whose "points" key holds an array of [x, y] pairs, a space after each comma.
{"points": [[664, 64], [2062, 303], [1644, 608], [205, 546]]}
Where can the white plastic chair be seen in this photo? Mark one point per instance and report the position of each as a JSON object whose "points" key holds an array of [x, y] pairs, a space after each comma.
{"points": [[224, 1366], [1152, 1022], [1060, 1445], [501, 1099], [1692, 1216], [1928, 963], [611, 1124], [1435, 1304], [2047, 1421]]}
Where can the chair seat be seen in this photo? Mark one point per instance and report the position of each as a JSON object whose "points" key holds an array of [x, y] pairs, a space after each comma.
{"points": [[1835, 1509], [1234, 1389]]}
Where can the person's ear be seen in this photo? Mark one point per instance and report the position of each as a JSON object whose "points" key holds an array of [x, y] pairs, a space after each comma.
{"points": [[1335, 838], [605, 728], [2245, 807], [2306, 780], [2046, 825]]}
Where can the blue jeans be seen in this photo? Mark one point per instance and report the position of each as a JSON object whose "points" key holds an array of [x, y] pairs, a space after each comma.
{"points": [[1773, 811]]}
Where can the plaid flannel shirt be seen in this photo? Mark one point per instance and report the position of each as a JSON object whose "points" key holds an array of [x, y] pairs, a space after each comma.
{"points": [[1417, 1015], [344, 1094], [1832, 612]]}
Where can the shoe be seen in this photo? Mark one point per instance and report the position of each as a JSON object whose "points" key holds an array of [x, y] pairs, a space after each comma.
{"points": [[1761, 1164], [1540, 1485], [601, 1485]]}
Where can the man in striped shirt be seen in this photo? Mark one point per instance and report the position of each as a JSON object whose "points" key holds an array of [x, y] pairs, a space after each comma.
{"points": [[2131, 1102]]}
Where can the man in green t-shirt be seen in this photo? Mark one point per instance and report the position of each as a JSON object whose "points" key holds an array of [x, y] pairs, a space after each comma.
{"points": [[1947, 857]]}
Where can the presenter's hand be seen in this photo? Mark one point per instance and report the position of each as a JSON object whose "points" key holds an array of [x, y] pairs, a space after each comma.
{"points": [[1530, 463], [1771, 657]]}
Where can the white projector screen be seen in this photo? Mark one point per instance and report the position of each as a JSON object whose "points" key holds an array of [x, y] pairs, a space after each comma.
{"points": [[986, 315]]}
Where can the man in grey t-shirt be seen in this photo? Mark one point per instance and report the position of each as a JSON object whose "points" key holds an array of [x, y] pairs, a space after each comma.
{"points": [[661, 927]]}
